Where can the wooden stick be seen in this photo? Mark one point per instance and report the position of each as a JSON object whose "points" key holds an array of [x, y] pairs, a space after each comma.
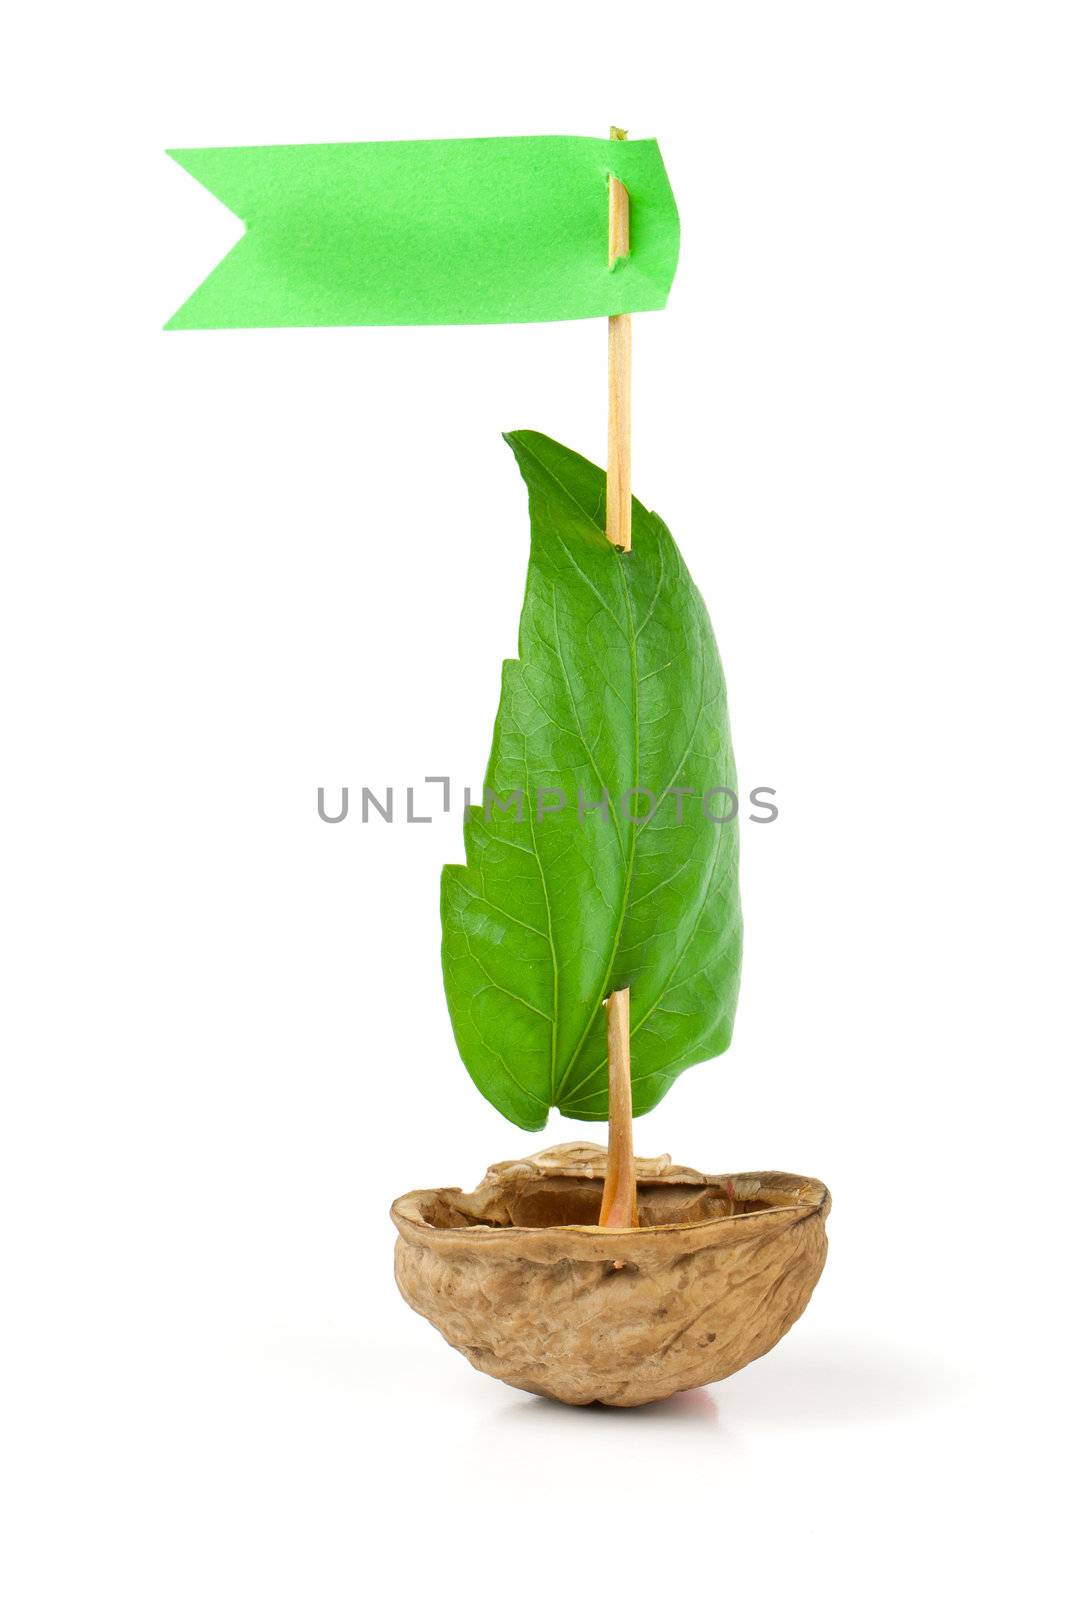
{"points": [[618, 523], [619, 1206], [619, 353]]}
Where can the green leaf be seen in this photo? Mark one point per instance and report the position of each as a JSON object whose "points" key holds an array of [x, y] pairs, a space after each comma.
{"points": [[618, 687]]}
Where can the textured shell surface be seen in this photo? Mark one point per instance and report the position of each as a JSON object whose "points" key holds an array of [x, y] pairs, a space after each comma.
{"points": [[517, 1275]]}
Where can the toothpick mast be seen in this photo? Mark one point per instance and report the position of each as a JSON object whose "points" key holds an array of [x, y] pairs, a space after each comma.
{"points": [[618, 522], [619, 1206]]}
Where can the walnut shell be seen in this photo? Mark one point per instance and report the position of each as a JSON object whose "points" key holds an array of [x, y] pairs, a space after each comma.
{"points": [[517, 1276]]}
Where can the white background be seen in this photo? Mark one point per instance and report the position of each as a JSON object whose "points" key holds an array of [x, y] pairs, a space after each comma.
{"points": [[239, 565]]}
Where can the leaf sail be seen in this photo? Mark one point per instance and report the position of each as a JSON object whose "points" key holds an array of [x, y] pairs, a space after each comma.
{"points": [[609, 872]]}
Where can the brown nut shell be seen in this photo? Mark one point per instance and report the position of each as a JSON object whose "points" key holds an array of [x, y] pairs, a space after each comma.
{"points": [[518, 1277]]}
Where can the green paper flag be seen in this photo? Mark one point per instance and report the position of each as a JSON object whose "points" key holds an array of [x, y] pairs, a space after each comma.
{"points": [[433, 231]]}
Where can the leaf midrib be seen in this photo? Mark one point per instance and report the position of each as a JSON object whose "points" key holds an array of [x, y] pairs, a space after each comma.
{"points": [[572, 1098], [631, 635]]}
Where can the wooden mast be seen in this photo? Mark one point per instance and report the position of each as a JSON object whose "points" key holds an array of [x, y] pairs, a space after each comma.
{"points": [[619, 1206]]}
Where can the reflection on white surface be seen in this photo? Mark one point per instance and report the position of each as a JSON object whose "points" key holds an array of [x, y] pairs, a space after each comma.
{"points": [[824, 1384], [691, 1408]]}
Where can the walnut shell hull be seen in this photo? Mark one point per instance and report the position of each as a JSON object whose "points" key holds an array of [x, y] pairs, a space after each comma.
{"points": [[518, 1278]]}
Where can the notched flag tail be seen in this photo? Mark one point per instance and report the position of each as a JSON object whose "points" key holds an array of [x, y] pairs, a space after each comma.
{"points": [[433, 231]]}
